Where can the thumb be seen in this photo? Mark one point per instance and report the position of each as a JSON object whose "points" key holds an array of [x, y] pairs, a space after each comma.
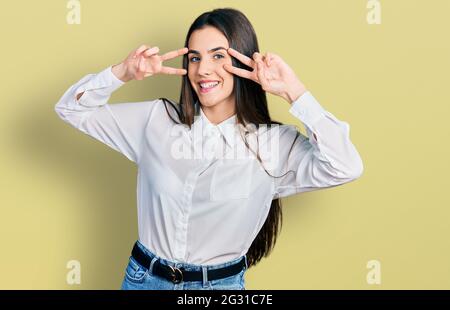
{"points": [[257, 56]]}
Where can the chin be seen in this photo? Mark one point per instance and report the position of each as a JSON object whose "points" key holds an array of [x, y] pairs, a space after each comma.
{"points": [[208, 104]]}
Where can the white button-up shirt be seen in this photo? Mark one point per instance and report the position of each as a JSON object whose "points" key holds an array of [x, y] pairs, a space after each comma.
{"points": [[201, 198]]}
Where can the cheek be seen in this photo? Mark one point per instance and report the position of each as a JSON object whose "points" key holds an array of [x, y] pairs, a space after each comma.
{"points": [[228, 80], [191, 78], [227, 77]]}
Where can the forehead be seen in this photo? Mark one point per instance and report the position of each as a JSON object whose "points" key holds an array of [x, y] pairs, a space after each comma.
{"points": [[206, 38]]}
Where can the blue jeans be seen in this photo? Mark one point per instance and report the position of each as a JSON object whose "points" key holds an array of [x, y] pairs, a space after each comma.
{"points": [[138, 277]]}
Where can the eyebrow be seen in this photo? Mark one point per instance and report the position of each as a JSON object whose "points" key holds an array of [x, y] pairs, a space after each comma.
{"points": [[210, 51]]}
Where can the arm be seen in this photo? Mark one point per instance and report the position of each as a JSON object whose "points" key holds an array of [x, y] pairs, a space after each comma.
{"points": [[326, 158], [119, 72], [121, 126]]}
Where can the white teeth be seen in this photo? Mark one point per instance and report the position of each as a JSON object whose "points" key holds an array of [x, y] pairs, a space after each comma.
{"points": [[209, 85]]}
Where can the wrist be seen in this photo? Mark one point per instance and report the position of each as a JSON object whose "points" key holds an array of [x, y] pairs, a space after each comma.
{"points": [[296, 92], [120, 72]]}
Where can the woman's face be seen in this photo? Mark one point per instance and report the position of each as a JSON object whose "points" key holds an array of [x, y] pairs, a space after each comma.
{"points": [[206, 57]]}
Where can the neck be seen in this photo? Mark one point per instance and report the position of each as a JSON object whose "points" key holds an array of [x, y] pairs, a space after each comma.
{"points": [[218, 113]]}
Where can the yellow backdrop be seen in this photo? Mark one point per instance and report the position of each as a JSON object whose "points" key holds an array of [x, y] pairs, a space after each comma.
{"points": [[68, 197]]}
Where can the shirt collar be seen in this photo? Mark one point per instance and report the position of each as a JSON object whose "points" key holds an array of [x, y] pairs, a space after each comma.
{"points": [[227, 128]]}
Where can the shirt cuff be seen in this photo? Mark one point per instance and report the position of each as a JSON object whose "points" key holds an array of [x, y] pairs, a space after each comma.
{"points": [[100, 87], [307, 109]]}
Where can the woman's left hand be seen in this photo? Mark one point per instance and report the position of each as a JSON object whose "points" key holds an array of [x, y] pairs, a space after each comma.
{"points": [[271, 72]]}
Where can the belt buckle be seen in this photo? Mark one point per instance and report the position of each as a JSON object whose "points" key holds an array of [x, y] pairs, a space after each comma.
{"points": [[174, 275]]}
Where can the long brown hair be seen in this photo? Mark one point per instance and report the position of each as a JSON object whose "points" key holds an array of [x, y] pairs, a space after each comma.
{"points": [[251, 106]]}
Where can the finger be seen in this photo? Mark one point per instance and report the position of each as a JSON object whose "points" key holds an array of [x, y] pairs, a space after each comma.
{"points": [[151, 51], [241, 57], [173, 71], [139, 63], [272, 58], [139, 72], [260, 73], [268, 59], [173, 54], [257, 56], [142, 64], [239, 72], [140, 50]]}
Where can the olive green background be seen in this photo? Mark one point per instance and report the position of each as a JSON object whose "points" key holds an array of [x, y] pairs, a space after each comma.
{"points": [[66, 196]]}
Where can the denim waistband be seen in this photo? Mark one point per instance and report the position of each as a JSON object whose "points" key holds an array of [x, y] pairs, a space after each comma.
{"points": [[187, 266]]}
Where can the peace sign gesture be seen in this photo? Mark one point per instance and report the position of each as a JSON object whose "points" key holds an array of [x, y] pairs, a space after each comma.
{"points": [[145, 61], [271, 72]]}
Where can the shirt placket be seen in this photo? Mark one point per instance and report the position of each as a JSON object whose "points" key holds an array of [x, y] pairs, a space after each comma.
{"points": [[209, 154]]}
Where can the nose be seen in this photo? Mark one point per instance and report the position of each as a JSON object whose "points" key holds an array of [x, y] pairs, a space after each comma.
{"points": [[205, 67]]}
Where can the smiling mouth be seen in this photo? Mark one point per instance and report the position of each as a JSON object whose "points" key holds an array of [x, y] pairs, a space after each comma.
{"points": [[207, 87]]}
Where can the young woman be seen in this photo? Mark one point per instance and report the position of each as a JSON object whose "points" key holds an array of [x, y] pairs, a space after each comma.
{"points": [[213, 167]]}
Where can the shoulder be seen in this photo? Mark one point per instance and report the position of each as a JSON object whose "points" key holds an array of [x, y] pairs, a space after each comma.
{"points": [[279, 132], [163, 109]]}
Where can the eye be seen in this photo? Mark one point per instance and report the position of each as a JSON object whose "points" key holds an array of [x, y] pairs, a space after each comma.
{"points": [[220, 56]]}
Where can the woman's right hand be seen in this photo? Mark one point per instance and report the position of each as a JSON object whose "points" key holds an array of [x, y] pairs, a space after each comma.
{"points": [[144, 62]]}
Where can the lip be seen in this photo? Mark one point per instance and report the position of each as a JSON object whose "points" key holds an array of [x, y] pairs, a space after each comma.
{"points": [[207, 81], [203, 90]]}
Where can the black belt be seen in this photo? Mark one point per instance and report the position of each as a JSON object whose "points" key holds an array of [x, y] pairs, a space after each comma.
{"points": [[176, 275]]}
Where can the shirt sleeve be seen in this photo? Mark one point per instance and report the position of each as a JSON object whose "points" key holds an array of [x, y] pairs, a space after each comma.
{"points": [[121, 126], [324, 158]]}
